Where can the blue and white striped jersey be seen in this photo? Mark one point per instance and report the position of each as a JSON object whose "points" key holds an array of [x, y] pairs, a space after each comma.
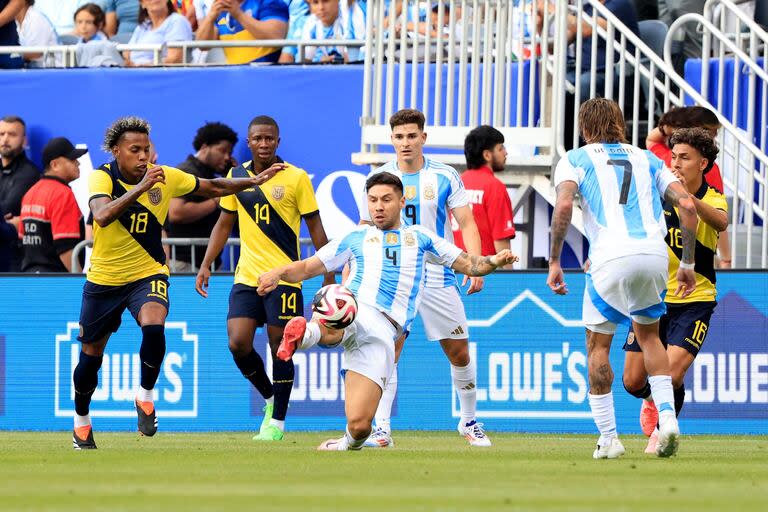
{"points": [[348, 26], [387, 267], [430, 194], [621, 188]]}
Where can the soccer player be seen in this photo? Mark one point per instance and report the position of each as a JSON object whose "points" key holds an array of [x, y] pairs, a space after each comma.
{"points": [[129, 199], [683, 328], [270, 218], [432, 191], [387, 275], [621, 188]]}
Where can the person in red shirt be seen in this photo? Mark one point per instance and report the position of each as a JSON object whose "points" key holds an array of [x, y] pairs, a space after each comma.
{"points": [[491, 206], [657, 143], [51, 221]]}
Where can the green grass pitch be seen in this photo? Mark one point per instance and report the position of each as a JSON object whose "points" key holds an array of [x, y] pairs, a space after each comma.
{"points": [[426, 471]]}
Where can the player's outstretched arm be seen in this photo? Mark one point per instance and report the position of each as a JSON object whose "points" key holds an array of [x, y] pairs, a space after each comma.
{"points": [[226, 186], [561, 219], [471, 265], [106, 210], [216, 243], [292, 273], [679, 197]]}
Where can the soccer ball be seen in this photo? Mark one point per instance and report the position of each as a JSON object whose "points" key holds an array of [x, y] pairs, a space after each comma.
{"points": [[334, 306]]}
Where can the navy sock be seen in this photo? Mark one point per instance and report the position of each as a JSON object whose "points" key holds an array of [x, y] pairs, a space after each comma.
{"points": [[282, 373], [642, 393], [152, 353], [86, 379], [679, 399], [252, 368]]}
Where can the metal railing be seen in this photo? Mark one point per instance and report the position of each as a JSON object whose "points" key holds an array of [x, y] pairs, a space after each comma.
{"points": [[69, 52], [305, 244], [470, 62], [634, 73]]}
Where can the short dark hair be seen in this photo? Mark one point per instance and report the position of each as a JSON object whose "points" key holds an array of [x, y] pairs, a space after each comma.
{"points": [[99, 18], [122, 126], [689, 117], [384, 178], [264, 120], [407, 116], [144, 14], [700, 140], [478, 140], [14, 119], [601, 120], [213, 133]]}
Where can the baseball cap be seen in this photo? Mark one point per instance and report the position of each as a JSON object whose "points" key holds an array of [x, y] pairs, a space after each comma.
{"points": [[60, 146]]}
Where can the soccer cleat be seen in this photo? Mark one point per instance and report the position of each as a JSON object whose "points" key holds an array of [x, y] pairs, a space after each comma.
{"points": [[268, 410], [82, 438], [147, 418], [669, 438], [380, 438], [653, 441], [333, 445], [649, 417], [473, 432], [612, 450], [293, 333], [269, 433]]}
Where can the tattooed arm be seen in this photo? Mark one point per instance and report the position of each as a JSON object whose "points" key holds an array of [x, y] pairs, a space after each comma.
{"points": [[472, 265], [561, 219], [679, 197]]}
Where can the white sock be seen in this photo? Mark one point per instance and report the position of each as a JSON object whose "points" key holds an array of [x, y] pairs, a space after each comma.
{"points": [[145, 395], [352, 443], [311, 336], [604, 416], [82, 421], [464, 378], [270, 400], [384, 410], [278, 423], [663, 395]]}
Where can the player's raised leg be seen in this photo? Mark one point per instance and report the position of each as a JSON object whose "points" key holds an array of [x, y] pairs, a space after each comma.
{"points": [[86, 379], [152, 320]]}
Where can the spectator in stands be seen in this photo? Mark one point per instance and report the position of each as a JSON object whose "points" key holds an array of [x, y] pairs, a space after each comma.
{"points": [[647, 9], [51, 221], [332, 19], [658, 143], [122, 16], [670, 10], [9, 36], [159, 23], [298, 12], [491, 206], [194, 216], [17, 175], [187, 9], [89, 23], [246, 20], [36, 30], [61, 13]]}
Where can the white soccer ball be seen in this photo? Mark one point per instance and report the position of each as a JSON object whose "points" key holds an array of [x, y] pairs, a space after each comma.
{"points": [[334, 306]]}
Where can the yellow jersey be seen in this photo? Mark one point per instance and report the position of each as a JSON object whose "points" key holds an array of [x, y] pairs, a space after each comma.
{"points": [[130, 248], [704, 256], [270, 219]]}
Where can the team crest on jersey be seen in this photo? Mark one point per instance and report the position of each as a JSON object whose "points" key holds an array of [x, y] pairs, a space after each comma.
{"points": [[410, 192], [278, 191], [155, 196], [429, 192], [391, 238], [410, 240]]}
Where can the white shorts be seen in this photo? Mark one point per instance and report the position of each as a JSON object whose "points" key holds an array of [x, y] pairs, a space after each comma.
{"points": [[442, 312], [623, 288], [369, 345]]}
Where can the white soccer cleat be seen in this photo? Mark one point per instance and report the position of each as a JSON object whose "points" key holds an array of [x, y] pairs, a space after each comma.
{"points": [[380, 438], [669, 438], [612, 450], [473, 432], [333, 445]]}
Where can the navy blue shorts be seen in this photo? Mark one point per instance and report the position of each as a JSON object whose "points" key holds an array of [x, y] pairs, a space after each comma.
{"points": [[683, 325], [275, 308], [103, 306]]}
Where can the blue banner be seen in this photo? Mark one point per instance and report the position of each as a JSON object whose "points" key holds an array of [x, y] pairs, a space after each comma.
{"points": [[528, 344]]}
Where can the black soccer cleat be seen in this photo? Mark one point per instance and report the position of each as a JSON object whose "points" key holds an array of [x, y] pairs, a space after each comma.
{"points": [[83, 444], [147, 422]]}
